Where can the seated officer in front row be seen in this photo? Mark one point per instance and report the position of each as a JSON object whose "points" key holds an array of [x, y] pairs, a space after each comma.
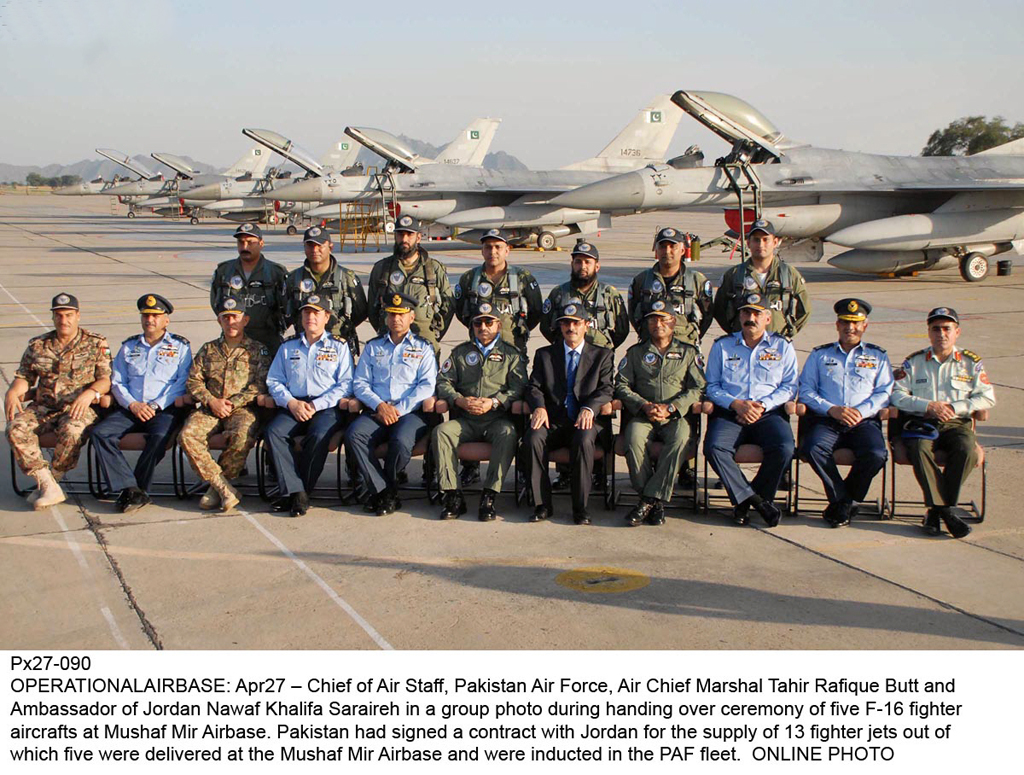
{"points": [[311, 372], [479, 380], [149, 372], [396, 373], [844, 385], [941, 386], [751, 375], [658, 381]]}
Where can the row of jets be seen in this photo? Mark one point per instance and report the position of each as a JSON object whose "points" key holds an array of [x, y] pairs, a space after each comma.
{"points": [[896, 214]]}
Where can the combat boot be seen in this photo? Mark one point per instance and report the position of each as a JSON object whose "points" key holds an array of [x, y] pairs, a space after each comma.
{"points": [[210, 499], [36, 493], [50, 493], [229, 497]]}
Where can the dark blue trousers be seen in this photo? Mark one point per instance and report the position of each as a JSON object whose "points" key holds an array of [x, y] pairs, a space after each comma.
{"points": [[106, 438], [824, 436], [771, 433], [299, 471], [366, 434]]}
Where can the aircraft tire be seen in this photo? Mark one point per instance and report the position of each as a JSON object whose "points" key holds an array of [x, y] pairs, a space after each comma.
{"points": [[130, 214], [546, 240], [974, 267], [194, 221], [291, 230]]}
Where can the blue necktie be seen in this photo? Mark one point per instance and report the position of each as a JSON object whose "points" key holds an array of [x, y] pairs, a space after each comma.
{"points": [[571, 404]]}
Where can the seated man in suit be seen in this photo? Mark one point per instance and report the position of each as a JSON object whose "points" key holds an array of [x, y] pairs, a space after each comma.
{"points": [[751, 375], [570, 382]]}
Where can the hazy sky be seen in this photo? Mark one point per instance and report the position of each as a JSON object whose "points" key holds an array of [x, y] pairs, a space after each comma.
{"points": [[186, 76]]}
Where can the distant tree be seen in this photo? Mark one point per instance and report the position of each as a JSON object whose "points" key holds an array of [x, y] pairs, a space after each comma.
{"points": [[68, 180], [971, 134], [34, 179]]}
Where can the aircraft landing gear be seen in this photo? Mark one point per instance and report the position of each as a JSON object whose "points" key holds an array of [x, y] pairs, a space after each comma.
{"points": [[130, 214], [546, 240], [291, 230], [194, 221], [974, 267]]}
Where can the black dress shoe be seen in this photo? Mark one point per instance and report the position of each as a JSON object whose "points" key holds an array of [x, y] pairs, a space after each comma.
{"points": [[686, 477], [562, 482], [123, 499], [283, 503], [487, 512], [299, 504], [640, 512], [956, 526], [657, 515], [540, 514], [583, 518], [741, 514], [769, 512], [372, 502], [453, 505], [139, 499], [931, 524], [388, 503], [841, 514], [470, 474]]}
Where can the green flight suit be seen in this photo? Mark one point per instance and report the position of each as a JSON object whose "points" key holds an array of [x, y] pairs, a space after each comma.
{"points": [[783, 289], [610, 325], [687, 294], [427, 282], [675, 378], [500, 375], [342, 287], [263, 294], [515, 297]]}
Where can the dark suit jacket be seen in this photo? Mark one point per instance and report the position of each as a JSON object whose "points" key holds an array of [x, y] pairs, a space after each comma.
{"points": [[594, 383]]}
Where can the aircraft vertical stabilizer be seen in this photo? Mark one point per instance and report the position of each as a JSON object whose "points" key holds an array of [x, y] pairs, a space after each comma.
{"points": [[341, 155], [253, 163], [646, 138], [1012, 148], [470, 147]]}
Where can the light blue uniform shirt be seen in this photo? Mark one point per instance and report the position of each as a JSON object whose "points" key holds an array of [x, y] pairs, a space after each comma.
{"points": [[151, 374], [766, 373], [321, 372], [402, 374], [860, 379]]}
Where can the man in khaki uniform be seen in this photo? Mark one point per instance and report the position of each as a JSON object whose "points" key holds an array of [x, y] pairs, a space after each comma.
{"points": [[226, 376], [69, 368], [657, 382], [479, 380], [685, 291], [412, 272], [941, 386], [781, 286]]}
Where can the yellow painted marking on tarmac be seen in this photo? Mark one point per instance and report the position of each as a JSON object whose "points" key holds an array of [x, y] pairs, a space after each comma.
{"points": [[603, 580]]}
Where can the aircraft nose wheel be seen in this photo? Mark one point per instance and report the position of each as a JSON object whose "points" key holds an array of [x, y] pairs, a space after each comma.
{"points": [[193, 220], [974, 267], [291, 230], [546, 240], [130, 214]]}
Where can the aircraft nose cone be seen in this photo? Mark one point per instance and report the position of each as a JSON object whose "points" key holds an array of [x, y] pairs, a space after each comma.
{"points": [[621, 192], [69, 191], [303, 191], [208, 193]]}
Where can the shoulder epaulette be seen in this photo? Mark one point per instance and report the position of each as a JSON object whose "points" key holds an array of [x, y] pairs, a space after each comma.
{"points": [[723, 336], [973, 356], [822, 346], [876, 347], [130, 338], [180, 338], [922, 351], [40, 337], [87, 332], [290, 338]]}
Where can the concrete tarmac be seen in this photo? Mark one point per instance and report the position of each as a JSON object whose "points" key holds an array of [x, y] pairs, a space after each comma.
{"points": [[82, 576]]}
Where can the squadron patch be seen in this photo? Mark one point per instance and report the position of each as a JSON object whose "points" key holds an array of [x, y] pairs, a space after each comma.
{"points": [[484, 289], [657, 287], [622, 365], [236, 282], [397, 278], [63, 299], [707, 287], [547, 306], [650, 358], [446, 366], [315, 231], [473, 358], [457, 291], [749, 283], [306, 285]]}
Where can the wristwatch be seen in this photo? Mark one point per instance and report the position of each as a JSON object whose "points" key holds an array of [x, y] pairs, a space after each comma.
{"points": [[98, 395], [495, 403]]}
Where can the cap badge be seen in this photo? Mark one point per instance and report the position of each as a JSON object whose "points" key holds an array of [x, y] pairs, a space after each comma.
{"points": [[396, 300], [852, 306], [315, 231], [570, 310], [485, 308], [668, 232], [150, 301], [658, 306], [583, 246], [405, 220], [245, 227], [63, 299], [230, 303]]}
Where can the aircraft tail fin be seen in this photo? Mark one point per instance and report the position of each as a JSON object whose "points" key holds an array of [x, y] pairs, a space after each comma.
{"points": [[1012, 148], [645, 139], [471, 145], [340, 156], [254, 163]]}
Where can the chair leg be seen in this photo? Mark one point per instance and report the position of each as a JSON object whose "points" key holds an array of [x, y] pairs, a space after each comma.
{"points": [[892, 489], [796, 487]]}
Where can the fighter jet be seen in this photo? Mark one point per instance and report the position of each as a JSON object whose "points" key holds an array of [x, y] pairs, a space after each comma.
{"points": [[900, 214], [477, 199]]}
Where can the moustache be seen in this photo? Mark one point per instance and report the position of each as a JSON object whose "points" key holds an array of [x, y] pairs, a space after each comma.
{"points": [[750, 324]]}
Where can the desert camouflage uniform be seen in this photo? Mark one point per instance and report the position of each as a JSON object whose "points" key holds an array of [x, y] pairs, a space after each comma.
{"points": [[59, 377], [238, 374]]}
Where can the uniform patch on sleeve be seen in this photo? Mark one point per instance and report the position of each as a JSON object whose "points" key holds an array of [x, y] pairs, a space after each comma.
{"points": [[446, 366], [622, 365], [547, 306], [457, 291]]}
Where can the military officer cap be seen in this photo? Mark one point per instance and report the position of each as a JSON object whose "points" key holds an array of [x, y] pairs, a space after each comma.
{"points": [[852, 309], [484, 310], [318, 302], [754, 301], [154, 304], [944, 312], [497, 234], [229, 305], [668, 234], [399, 302], [657, 307], [575, 311], [63, 301], [248, 230], [408, 223], [586, 249], [316, 235], [761, 225]]}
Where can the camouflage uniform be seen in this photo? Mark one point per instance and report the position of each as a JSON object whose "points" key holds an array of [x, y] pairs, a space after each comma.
{"points": [[62, 376], [238, 374]]}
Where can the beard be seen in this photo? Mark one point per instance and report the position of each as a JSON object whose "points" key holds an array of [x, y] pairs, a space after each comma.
{"points": [[579, 278], [406, 251]]}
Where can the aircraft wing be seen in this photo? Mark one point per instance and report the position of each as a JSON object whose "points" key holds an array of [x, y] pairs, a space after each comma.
{"points": [[978, 185]]}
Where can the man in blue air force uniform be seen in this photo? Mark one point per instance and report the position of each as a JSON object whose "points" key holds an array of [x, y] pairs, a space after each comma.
{"points": [[396, 372], [311, 372], [149, 372], [844, 385]]}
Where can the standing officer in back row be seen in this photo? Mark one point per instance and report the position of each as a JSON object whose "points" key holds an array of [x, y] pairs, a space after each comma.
{"points": [[844, 385], [685, 291], [69, 369], [256, 281], [780, 285], [941, 386], [410, 271], [323, 276], [479, 380], [609, 320]]}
